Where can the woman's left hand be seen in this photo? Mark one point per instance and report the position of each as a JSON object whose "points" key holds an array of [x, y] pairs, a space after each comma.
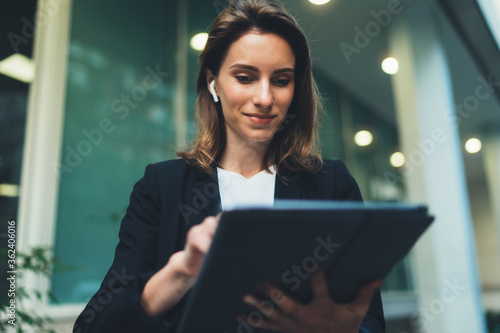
{"points": [[284, 314]]}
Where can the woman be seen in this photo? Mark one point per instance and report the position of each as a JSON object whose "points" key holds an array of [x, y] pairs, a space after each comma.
{"points": [[257, 139]]}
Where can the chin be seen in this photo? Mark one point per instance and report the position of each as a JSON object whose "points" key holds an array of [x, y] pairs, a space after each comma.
{"points": [[261, 137]]}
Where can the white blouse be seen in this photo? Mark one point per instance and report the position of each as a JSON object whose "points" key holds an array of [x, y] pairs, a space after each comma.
{"points": [[237, 191]]}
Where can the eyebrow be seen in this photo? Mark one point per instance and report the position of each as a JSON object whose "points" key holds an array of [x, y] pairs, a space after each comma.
{"points": [[255, 69]]}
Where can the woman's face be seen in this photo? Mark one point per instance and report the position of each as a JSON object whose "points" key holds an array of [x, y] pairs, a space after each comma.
{"points": [[255, 86]]}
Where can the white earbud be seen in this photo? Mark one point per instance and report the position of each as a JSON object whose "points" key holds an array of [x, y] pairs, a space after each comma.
{"points": [[212, 90]]}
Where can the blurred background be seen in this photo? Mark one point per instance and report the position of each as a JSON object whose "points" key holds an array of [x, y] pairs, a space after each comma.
{"points": [[93, 91]]}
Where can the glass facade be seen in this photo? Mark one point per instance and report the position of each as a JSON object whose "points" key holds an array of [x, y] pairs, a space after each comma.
{"points": [[119, 117], [122, 92]]}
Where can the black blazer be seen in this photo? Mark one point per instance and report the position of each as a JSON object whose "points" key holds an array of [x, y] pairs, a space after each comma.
{"points": [[170, 198]]}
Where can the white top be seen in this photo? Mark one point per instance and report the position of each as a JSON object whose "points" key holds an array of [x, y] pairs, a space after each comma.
{"points": [[237, 191]]}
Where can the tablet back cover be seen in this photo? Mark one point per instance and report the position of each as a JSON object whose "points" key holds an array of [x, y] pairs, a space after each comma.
{"points": [[355, 243]]}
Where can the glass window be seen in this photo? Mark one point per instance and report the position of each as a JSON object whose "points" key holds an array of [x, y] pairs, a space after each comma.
{"points": [[119, 117]]}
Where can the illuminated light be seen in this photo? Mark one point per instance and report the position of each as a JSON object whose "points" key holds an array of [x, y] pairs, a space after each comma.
{"points": [[390, 65], [319, 2], [397, 159], [363, 138], [199, 40], [9, 190], [473, 145], [18, 67]]}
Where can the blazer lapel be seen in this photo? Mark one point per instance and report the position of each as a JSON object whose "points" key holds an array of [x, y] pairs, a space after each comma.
{"points": [[291, 189], [207, 193]]}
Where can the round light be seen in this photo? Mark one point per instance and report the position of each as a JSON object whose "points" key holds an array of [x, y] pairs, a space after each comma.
{"points": [[473, 145], [363, 138], [319, 2], [390, 65], [397, 159], [198, 41]]}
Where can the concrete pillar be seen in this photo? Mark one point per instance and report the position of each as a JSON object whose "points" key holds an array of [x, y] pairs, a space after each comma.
{"points": [[491, 153], [42, 147], [447, 283], [491, 250]]}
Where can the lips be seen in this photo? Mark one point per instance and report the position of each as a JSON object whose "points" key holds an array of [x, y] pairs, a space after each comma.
{"points": [[260, 119], [261, 116]]}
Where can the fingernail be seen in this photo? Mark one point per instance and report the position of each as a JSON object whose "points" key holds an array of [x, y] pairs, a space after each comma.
{"points": [[249, 299]]}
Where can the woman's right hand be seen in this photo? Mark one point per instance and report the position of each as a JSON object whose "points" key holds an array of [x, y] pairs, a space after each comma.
{"points": [[198, 241], [170, 284]]}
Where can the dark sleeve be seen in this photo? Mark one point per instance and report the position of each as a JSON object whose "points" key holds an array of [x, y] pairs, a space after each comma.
{"points": [[346, 189], [115, 307]]}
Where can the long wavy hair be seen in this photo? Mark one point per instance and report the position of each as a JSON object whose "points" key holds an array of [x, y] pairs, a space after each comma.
{"points": [[295, 146]]}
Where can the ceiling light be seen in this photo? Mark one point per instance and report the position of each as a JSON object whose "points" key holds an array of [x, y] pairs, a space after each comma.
{"points": [[198, 41], [390, 65], [9, 190], [397, 159], [319, 2], [473, 145], [18, 67], [363, 138]]}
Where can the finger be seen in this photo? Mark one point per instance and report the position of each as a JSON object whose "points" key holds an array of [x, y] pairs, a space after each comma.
{"points": [[270, 291], [287, 304], [198, 240], [268, 315], [200, 236], [266, 307], [365, 294], [210, 224], [319, 285], [256, 320]]}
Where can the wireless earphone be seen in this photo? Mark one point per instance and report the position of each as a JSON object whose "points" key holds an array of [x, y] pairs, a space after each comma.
{"points": [[212, 90]]}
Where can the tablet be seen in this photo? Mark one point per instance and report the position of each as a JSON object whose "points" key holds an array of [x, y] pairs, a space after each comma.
{"points": [[354, 242]]}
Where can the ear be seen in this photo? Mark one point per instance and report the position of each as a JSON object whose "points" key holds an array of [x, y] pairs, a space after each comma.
{"points": [[210, 77], [211, 86]]}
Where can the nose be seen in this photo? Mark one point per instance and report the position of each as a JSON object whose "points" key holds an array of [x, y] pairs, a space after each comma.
{"points": [[263, 96]]}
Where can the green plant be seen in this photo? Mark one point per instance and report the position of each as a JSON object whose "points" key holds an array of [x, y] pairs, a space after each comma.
{"points": [[41, 262]]}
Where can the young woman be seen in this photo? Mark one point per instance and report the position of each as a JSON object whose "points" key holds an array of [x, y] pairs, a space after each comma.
{"points": [[257, 140]]}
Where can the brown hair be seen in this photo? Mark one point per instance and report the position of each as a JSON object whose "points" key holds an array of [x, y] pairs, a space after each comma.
{"points": [[295, 146]]}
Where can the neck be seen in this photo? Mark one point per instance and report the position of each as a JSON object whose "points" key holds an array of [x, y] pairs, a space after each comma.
{"points": [[243, 157]]}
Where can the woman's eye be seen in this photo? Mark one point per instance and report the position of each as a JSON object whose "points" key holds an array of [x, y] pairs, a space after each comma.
{"points": [[243, 78], [282, 82]]}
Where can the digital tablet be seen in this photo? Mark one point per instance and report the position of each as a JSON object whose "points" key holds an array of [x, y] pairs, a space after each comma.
{"points": [[354, 242]]}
